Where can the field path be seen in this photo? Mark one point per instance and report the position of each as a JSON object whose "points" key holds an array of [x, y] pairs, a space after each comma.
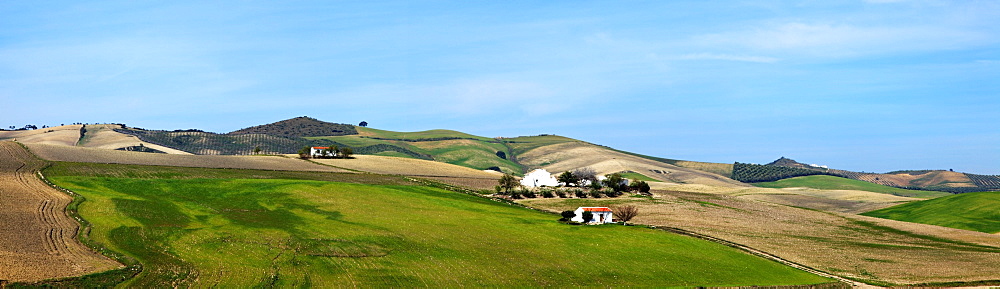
{"points": [[37, 237]]}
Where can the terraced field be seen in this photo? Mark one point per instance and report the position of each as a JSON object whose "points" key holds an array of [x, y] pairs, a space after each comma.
{"points": [[37, 238], [202, 228]]}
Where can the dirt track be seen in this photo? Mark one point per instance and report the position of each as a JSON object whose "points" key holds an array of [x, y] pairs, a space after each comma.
{"points": [[37, 237]]}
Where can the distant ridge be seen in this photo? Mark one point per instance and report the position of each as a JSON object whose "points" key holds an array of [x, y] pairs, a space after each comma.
{"points": [[302, 126]]}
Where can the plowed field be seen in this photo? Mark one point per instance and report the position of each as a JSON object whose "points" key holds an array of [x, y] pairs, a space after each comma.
{"points": [[37, 238]]}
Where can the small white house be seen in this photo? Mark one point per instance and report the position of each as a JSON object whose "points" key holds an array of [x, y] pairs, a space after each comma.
{"points": [[539, 178], [317, 152], [602, 215]]}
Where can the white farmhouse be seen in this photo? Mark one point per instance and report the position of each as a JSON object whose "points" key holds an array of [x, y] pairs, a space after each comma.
{"points": [[539, 178], [317, 152], [602, 215]]}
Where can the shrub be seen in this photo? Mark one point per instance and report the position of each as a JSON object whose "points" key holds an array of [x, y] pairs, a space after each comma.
{"points": [[587, 216], [515, 195], [595, 194], [580, 194], [561, 194], [567, 215], [529, 194], [547, 194]]}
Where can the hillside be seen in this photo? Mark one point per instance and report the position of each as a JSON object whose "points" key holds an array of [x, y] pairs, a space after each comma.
{"points": [[825, 182], [933, 180], [299, 127], [209, 227], [969, 211]]}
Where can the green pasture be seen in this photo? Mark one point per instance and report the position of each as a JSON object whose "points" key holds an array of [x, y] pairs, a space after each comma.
{"points": [[200, 227], [968, 211], [469, 151], [824, 182], [523, 144], [638, 176], [417, 135]]}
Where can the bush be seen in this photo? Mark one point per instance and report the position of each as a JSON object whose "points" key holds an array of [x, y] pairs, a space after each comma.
{"points": [[567, 215], [561, 194], [515, 195], [587, 216], [580, 194], [529, 194], [595, 194], [548, 194]]}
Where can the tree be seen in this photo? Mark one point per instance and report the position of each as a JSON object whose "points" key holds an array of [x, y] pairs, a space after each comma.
{"points": [[502, 155], [345, 152], [507, 183], [567, 215], [330, 151], [585, 174], [304, 152], [625, 212], [363, 124], [587, 216], [614, 181], [639, 186], [256, 150], [567, 178]]}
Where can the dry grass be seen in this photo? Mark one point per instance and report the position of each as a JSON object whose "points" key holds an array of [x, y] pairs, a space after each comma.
{"points": [[93, 155], [37, 237], [66, 135], [103, 136], [407, 166], [572, 155], [843, 244]]}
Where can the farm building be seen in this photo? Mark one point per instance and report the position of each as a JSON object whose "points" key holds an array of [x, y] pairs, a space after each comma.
{"points": [[602, 215], [539, 178], [318, 152]]}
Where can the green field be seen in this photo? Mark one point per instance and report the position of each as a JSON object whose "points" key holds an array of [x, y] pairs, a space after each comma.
{"points": [[968, 211], [824, 182], [638, 176], [440, 145], [207, 228]]}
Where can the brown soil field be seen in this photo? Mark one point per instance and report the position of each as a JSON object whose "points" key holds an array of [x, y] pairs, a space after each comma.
{"points": [[66, 135], [948, 179], [407, 167], [37, 237], [842, 244], [94, 155], [562, 157], [103, 136]]}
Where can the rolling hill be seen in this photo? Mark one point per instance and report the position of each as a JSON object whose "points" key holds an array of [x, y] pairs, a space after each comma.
{"points": [[204, 227], [969, 211], [928, 180], [826, 182]]}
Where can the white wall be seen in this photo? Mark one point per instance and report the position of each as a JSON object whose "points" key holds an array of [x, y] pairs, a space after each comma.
{"points": [[538, 178]]}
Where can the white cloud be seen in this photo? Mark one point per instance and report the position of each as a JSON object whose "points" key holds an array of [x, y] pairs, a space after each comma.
{"points": [[729, 57], [840, 40]]}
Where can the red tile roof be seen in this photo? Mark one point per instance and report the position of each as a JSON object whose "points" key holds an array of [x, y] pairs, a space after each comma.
{"points": [[322, 148], [601, 209]]}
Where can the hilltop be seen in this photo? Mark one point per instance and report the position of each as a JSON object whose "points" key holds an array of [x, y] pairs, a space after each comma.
{"points": [[302, 126]]}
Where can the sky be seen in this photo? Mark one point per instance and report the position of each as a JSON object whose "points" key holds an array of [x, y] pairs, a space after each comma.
{"points": [[858, 85]]}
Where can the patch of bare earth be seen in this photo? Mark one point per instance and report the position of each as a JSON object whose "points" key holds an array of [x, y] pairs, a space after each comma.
{"points": [[839, 243], [562, 157], [37, 237], [66, 135], [94, 155]]}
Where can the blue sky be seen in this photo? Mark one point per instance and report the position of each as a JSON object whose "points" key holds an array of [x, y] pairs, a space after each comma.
{"points": [[858, 85]]}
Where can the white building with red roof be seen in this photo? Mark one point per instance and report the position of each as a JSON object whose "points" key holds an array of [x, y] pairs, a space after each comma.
{"points": [[602, 215], [317, 152]]}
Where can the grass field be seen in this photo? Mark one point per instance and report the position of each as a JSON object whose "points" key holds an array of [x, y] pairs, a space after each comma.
{"points": [[837, 183], [638, 176], [441, 145], [201, 227], [968, 211], [874, 250]]}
